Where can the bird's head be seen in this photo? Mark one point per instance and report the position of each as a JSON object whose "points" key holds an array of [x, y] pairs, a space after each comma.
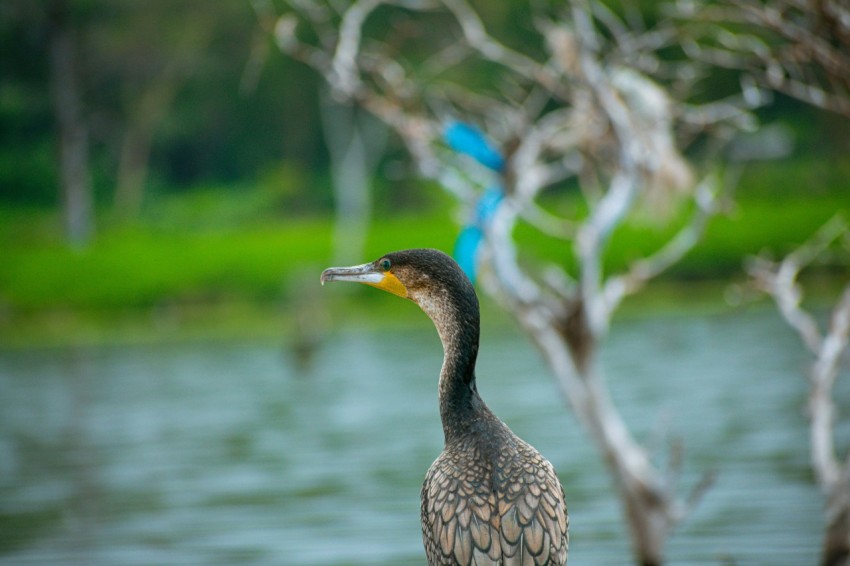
{"points": [[428, 277], [436, 283]]}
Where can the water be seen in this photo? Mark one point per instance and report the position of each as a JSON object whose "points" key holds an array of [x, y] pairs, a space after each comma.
{"points": [[221, 453]]}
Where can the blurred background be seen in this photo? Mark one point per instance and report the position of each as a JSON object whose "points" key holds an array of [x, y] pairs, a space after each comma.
{"points": [[176, 388]]}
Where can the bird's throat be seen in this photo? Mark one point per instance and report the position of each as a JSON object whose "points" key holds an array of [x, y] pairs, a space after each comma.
{"points": [[457, 388], [456, 316]]}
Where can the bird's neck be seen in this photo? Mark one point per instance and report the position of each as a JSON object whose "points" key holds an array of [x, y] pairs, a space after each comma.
{"points": [[458, 396]]}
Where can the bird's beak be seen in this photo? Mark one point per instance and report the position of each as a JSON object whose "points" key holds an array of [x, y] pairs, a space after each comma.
{"points": [[369, 274]]}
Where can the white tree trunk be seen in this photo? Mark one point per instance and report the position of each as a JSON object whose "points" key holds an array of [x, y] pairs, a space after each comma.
{"points": [[355, 143], [74, 178], [779, 280]]}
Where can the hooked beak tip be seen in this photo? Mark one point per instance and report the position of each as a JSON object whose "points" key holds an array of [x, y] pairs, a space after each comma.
{"points": [[358, 274]]}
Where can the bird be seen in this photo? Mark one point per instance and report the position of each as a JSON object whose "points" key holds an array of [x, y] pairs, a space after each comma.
{"points": [[489, 498]]}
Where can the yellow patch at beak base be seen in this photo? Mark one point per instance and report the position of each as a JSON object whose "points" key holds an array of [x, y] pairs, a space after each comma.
{"points": [[391, 283]]}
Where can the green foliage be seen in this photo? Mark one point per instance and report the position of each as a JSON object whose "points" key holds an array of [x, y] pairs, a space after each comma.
{"points": [[132, 268], [205, 247], [238, 244], [237, 199], [810, 176], [28, 174], [223, 107], [179, 72], [778, 205]]}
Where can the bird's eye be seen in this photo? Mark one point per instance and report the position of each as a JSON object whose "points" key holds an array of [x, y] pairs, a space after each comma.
{"points": [[385, 264]]}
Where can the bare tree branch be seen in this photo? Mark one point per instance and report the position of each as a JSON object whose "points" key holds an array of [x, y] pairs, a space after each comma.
{"points": [[800, 48], [822, 409], [346, 76], [779, 280], [644, 269]]}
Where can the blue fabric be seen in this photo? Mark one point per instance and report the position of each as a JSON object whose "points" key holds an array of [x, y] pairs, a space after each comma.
{"points": [[469, 240], [466, 250], [487, 205], [465, 138]]}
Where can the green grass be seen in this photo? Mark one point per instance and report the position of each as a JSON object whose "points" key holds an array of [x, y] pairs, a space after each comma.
{"points": [[194, 255], [136, 268], [753, 225], [154, 283]]}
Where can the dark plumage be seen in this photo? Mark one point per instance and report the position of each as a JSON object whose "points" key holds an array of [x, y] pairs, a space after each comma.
{"points": [[489, 498]]}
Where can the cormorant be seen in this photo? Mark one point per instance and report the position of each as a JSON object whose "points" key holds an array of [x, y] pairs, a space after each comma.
{"points": [[489, 498]]}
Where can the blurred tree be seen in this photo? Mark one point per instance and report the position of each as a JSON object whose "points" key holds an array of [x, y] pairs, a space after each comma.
{"points": [[168, 93], [156, 52], [74, 178], [568, 135], [570, 132], [780, 281], [355, 142], [155, 77], [187, 93], [799, 48]]}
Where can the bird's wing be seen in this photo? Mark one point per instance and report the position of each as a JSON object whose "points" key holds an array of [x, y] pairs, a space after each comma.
{"points": [[533, 526], [458, 515], [466, 521]]}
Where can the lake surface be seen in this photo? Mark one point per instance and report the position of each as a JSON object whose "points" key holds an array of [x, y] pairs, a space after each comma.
{"points": [[224, 453]]}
